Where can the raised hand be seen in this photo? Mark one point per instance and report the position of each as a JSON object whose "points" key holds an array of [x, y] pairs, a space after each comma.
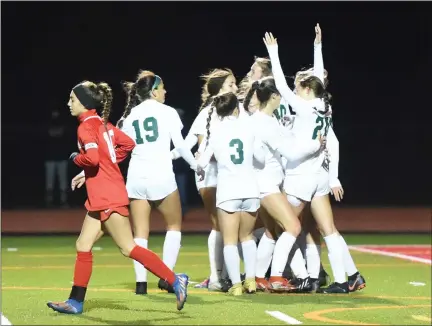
{"points": [[269, 40], [318, 34]]}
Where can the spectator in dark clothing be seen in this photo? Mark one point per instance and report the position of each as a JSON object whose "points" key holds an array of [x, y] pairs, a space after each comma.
{"points": [[56, 159]]}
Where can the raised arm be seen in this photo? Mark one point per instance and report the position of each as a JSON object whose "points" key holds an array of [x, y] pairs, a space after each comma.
{"points": [[280, 81], [318, 69]]}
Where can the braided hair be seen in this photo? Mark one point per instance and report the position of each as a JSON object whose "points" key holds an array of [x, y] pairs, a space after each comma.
{"points": [[137, 92], [214, 81]]}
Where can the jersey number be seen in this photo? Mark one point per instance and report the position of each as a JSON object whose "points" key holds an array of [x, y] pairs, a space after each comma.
{"points": [[238, 157], [151, 126], [109, 142], [283, 111], [321, 123]]}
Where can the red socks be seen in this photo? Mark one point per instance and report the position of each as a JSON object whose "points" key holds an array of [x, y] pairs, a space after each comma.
{"points": [[153, 263], [83, 268]]}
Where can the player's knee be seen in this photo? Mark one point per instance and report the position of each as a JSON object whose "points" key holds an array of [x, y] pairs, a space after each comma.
{"points": [[327, 228], [295, 228], [82, 245], [125, 251]]}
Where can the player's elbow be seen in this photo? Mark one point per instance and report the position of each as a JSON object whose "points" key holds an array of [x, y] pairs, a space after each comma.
{"points": [[93, 159]]}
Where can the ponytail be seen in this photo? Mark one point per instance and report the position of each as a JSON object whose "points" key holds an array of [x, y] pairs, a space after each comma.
{"points": [[105, 91]]}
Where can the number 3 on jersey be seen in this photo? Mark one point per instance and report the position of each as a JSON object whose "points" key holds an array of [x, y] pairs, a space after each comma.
{"points": [[151, 126], [238, 157], [321, 123]]}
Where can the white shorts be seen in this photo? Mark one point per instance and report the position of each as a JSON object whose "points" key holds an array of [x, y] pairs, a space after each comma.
{"points": [[269, 190], [307, 186], [151, 189], [240, 205], [210, 179]]}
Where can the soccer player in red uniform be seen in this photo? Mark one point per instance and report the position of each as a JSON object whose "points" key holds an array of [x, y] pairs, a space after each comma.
{"points": [[101, 147]]}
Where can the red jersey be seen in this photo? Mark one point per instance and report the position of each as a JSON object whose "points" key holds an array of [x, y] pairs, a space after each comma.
{"points": [[101, 149]]}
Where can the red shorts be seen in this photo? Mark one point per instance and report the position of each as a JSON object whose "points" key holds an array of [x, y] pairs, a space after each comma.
{"points": [[105, 214]]}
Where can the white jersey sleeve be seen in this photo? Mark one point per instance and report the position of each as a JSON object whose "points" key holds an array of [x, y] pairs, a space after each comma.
{"points": [[198, 128], [318, 69], [206, 156], [191, 140], [259, 150], [178, 141], [333, 149], [292, 99], [292, 148]]}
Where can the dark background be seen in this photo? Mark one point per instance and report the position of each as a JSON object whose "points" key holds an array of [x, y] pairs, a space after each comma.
{"points": [[378, 56]]}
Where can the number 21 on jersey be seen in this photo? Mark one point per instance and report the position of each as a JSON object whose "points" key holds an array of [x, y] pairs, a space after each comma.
{"points": [[322, 122], [150, 125], [238, 157]]}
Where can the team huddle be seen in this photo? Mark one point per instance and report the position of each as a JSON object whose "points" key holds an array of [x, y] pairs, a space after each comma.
{"points": [[264, 151]]}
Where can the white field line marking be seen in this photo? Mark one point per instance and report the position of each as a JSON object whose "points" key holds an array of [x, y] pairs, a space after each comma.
{"points": [[422, 318], [391, 254], [4, 320], [425, 246], [285, 318], [417, 283], [12, 249], [97, 248]]}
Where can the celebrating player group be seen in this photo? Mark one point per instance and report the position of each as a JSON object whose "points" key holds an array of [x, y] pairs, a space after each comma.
{"points": [[265, 152]]}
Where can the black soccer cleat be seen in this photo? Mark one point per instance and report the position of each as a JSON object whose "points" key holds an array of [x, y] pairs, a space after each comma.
{"points": [[335, 288], [315, 284], [302, 285], [163, 285], [226, 285], [323, 278], [141, 288], [356, 282]]}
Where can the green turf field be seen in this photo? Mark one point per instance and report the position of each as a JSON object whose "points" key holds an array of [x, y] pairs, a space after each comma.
{"points": [[41, 270]]}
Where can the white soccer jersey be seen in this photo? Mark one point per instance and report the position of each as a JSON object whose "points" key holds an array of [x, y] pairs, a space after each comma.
{"points": [[272, 172], [153, 125], [234, 145], [279, 142], [309, 121]]}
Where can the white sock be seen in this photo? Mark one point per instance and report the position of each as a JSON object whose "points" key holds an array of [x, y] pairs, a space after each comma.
{"points": [[313, 260], [215, 250], [249, 257], [171, 248], [264, 255], [335, 254], [140, 271], [224, 273], [298, 266], [281, 252], [232, 262], [240, 249], [349, 264]]}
